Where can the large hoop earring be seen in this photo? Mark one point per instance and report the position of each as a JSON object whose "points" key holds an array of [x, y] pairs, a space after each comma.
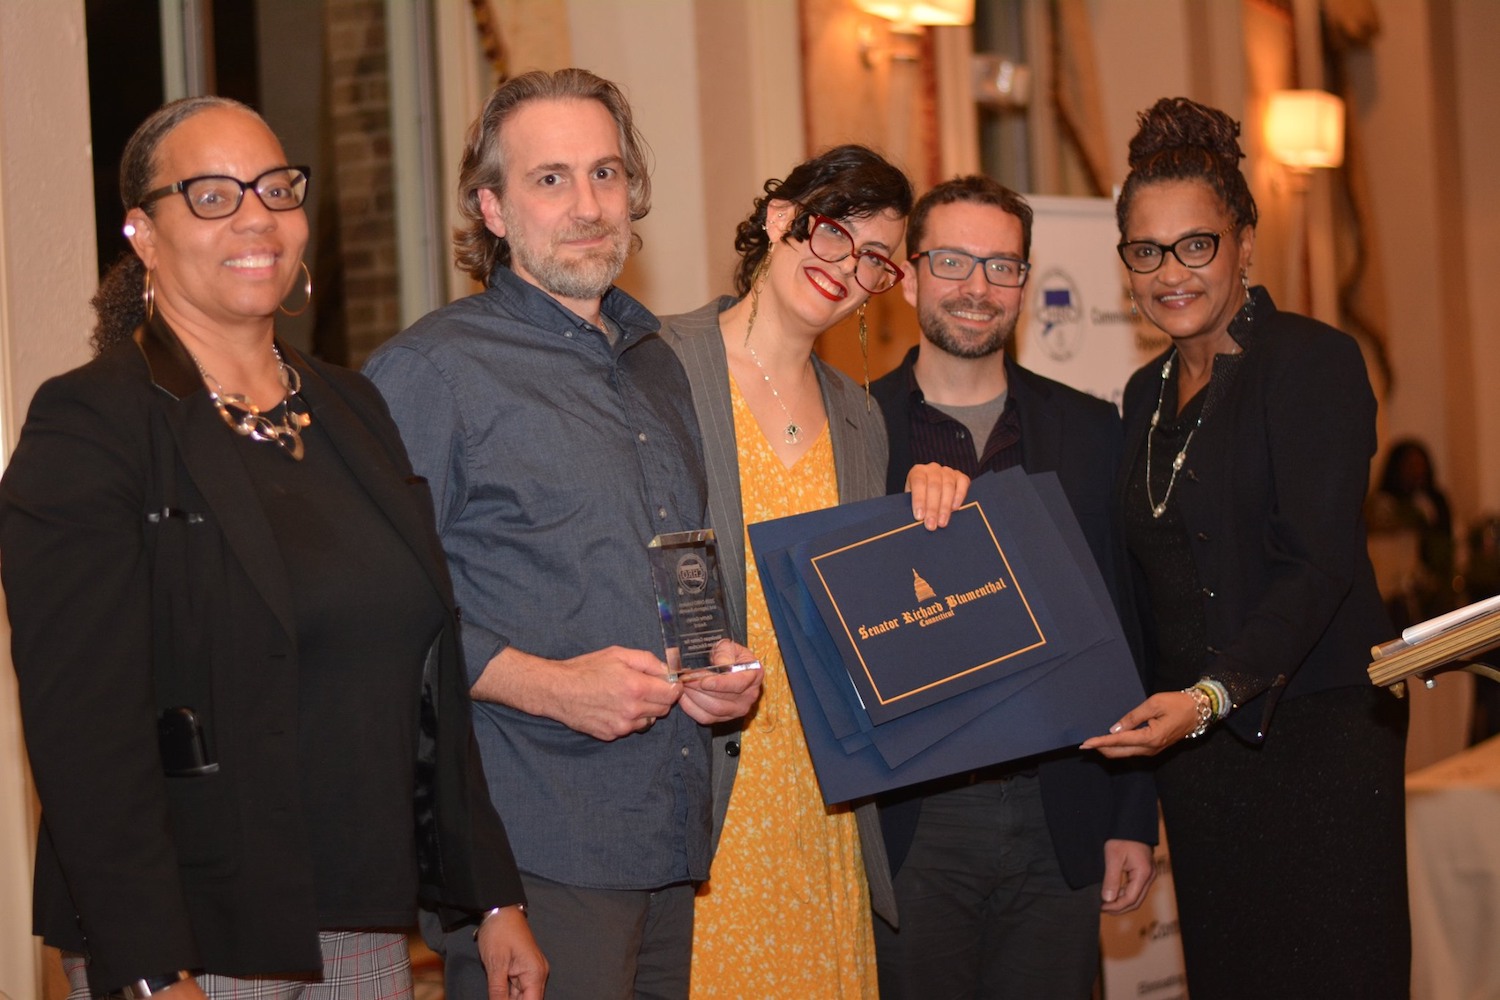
{"points": [[148, 296], [306, 289]]}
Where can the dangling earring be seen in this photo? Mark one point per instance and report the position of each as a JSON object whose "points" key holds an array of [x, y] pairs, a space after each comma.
{"points": [[306, 288], [1249, 302], [756, 280], [864, 350], [148, 296], [1135, 311]]}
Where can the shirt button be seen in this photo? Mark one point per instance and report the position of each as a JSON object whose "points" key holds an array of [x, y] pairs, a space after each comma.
{"points": [[568, 334], [732, 748], [641, 437], [961, 435], [1207, 592], [684, 753], [661, 512]]}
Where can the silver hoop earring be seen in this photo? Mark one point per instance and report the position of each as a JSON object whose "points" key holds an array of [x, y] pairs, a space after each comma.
{"points": [[307, 290]]}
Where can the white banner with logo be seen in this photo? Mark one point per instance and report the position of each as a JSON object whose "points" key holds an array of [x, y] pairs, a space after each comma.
{"points": [[1076, 327]]}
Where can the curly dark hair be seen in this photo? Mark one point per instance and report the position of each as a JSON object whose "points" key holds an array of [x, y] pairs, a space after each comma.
{"points": [[118, 304], [845, 182], [1182, 140], [476, 250]]}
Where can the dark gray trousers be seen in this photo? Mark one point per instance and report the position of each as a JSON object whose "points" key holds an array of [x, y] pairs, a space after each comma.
{"points": [[985, 911], [601, 944]]}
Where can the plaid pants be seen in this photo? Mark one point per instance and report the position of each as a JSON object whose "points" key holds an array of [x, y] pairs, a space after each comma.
{"points": [[357, 965]]}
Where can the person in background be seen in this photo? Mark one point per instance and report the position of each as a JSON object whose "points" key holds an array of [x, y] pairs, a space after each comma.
{"points": [[233, 630], [787, 911], [1001, 874], [557, 432], [1407, 499], [1247, 453]]}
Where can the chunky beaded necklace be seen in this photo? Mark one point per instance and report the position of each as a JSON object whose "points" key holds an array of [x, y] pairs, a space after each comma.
{"points": [[246, 419]]}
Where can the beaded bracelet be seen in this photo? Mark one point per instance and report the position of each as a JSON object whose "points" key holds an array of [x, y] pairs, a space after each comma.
{"points": [[1204, 707], [1218, 696]]}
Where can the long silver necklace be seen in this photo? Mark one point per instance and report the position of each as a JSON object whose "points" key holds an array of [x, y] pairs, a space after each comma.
{"points": [[245, 418], [1158, 509], [793, 429], [1247, 316]]}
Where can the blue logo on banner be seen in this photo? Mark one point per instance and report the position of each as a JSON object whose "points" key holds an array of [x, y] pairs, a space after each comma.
{"points": [[1059, 308]]}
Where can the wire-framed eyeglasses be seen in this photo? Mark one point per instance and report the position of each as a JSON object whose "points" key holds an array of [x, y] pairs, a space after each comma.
{"points": [[831, 242], [955, 265], [280, 189], [1193, 250]]}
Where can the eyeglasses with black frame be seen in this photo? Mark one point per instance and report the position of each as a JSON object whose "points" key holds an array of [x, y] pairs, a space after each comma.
{"points": [[831, 242], [955, 265], [1194, 250], [280, 189]]}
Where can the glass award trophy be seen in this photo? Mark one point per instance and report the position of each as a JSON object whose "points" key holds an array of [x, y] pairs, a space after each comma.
{"points": [[690, 598]]}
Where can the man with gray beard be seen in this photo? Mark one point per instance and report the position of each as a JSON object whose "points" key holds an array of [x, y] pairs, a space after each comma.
{"points": [[1001, 874], [556, 432]]}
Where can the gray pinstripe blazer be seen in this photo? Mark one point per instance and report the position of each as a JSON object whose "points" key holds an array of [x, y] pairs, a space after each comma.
{"points": [[859, 458]]}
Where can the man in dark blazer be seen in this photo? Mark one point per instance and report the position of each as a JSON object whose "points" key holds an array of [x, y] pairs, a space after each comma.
{"points": [[1000, 875]]}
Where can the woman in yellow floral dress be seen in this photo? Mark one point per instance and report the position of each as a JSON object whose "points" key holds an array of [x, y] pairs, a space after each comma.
{"points": [[786, 912]]}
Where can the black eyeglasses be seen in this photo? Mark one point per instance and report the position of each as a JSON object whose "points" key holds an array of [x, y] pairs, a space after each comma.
{"points": [[955, 265], [832, 243], [1193, 250], [280, 189]]}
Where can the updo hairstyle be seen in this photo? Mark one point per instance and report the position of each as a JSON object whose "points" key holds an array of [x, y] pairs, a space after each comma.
{"points": [[1182, 140]]}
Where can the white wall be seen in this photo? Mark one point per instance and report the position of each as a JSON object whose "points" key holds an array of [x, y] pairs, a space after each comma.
{"points": [[47, 273]]}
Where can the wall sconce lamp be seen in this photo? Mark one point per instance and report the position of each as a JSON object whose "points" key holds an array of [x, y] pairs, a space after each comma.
{"points": [[1305, 129], [909, 17]]}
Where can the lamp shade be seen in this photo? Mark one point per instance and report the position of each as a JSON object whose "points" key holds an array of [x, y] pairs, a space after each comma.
{"points": [[910, 13], [1305, 129]]}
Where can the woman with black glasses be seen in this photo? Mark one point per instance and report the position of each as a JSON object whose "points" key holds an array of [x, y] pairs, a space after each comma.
{"points": [[232, 625], [1248, 444], [786, 912]]}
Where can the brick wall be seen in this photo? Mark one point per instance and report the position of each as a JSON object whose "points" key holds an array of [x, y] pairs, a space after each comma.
{"points": [[361, 233]]}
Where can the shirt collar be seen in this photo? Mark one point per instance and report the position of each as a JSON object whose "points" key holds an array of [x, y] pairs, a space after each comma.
{"points": [[534, 305]]}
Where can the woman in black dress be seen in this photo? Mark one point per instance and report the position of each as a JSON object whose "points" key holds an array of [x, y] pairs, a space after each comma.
{"points": [[232, 626], [1248, 450]]}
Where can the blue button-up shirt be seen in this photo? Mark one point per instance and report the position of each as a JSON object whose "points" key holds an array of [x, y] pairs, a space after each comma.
{"points": [[554, 457]]}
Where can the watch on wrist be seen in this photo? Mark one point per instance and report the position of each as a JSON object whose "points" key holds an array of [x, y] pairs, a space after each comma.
{"points": [[153, 984]]}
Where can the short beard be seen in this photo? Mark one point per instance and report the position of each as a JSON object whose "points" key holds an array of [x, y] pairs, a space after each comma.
{"points": [[586, 277], [934, 322]]}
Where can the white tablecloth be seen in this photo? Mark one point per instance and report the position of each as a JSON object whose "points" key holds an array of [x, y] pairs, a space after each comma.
{"points": [[1453, 852]]}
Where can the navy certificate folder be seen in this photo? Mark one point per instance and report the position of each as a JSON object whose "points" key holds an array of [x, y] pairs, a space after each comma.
{"points": [[995, 682]]}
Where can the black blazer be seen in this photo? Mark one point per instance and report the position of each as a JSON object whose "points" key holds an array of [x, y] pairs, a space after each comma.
{"points": [[141, 573], [1087, 800], [1272, 495]]}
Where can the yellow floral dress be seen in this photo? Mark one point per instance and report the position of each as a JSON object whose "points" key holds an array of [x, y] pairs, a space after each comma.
{"points": [[786, 912]]}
